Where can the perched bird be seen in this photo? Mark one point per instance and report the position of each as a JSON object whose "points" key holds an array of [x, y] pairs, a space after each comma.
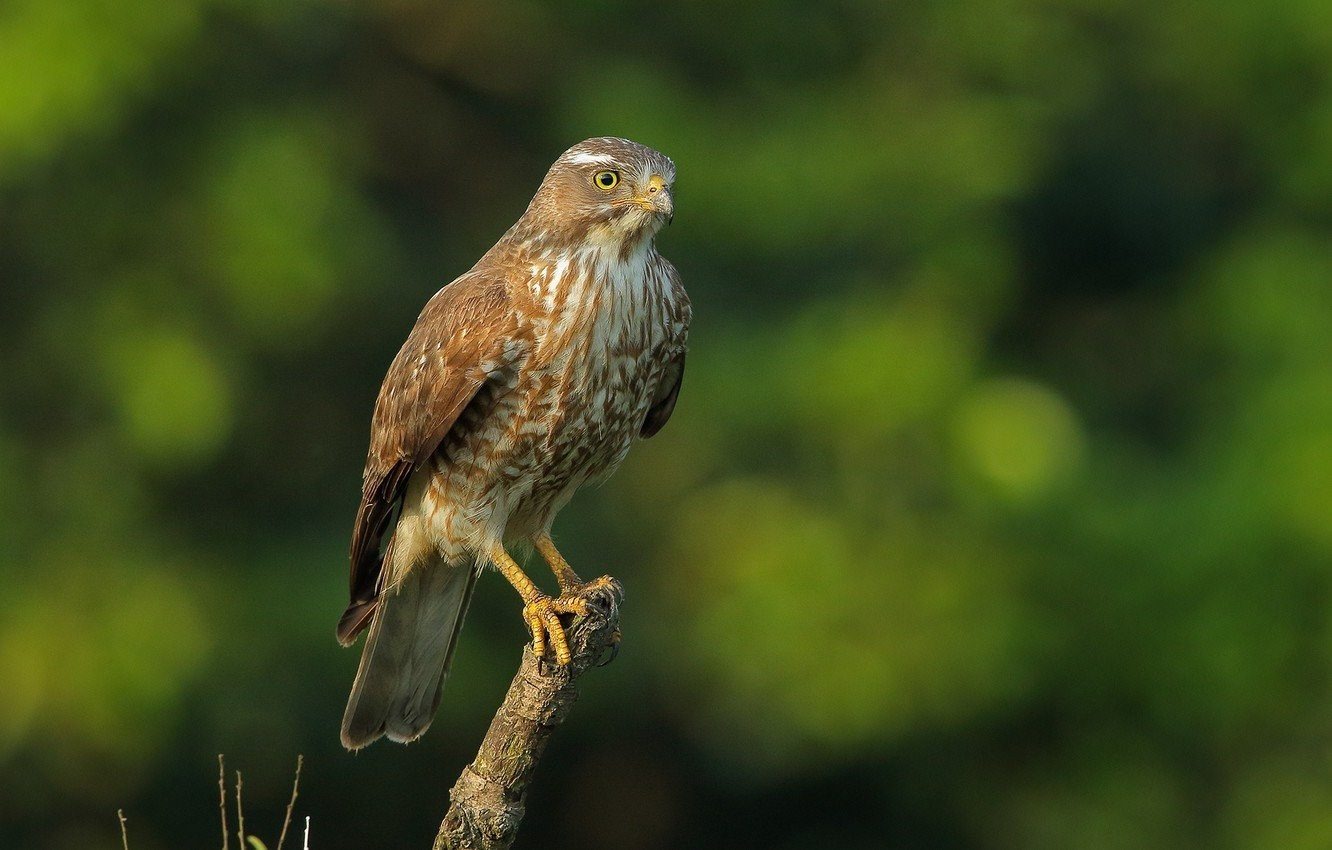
{"points": [[524, 379]]}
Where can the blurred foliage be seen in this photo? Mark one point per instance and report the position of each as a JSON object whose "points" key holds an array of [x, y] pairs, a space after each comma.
{"points": [[996, 512]]}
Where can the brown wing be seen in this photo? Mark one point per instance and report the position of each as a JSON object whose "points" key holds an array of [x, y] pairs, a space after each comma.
{"points": [[663, 403], [465, 334], [668, 389]]}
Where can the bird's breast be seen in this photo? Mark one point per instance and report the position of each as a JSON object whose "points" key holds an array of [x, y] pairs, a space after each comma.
{"points": [[596, 365]]}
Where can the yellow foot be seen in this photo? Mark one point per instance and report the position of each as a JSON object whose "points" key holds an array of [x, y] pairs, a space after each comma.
{"points": [[543, 618], [543, 614], [575, 595]]}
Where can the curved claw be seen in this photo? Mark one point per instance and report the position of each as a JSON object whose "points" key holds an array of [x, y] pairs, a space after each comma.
{"points": [[614, 650]]}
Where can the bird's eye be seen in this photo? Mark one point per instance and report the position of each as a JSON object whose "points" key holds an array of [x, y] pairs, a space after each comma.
{"points": [[606, 180]]}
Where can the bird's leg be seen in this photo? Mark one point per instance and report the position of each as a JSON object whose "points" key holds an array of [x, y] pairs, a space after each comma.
{"points": [[539, 610], [572, 588]]}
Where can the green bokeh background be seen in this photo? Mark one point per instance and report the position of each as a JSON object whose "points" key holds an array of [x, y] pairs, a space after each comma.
{"points": [[996, 511]]}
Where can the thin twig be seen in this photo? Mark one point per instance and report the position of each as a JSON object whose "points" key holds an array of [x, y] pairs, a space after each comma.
{"points": [[295, 787], [487, 803], [124, 835], [240, 814], [222, 799], [305, 845]]}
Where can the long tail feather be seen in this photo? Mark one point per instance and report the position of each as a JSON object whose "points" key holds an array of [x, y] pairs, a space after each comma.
{"points": [[407, 655]]}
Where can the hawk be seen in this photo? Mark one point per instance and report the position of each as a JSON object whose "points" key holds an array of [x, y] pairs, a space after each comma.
{"points": [[523, 380]]}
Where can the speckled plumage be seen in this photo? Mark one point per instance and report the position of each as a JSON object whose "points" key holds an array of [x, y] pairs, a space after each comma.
{"points": [[524, 379]]}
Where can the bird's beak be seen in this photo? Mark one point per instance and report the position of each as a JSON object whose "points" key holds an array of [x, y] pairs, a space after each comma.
{"points": [[657, 199]]}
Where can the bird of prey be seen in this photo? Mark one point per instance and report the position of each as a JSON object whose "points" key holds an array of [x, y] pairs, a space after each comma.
{"points": [[524, 379]]}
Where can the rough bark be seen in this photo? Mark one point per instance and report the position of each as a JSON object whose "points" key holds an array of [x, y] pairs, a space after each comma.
{"points": [[487, 803]]}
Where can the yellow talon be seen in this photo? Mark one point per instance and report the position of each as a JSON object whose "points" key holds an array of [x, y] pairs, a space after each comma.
{"points": [[567, 604], [541, 612], [542, 616]]}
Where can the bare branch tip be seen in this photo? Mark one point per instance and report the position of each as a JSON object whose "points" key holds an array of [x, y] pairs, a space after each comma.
{"points": [[240, 813], [295, 789], [222, 799]]}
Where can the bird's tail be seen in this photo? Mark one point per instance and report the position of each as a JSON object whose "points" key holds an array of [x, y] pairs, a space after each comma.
{"points": [[408, 654]]}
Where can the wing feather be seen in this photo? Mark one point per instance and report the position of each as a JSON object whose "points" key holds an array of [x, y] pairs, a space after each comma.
{"points": [[465, 336], [668, 388], [663, 402]]}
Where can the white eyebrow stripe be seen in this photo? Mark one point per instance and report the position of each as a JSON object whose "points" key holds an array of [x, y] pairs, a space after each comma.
{"points": [[590, 158]]}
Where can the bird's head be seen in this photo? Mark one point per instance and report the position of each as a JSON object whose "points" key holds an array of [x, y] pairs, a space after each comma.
{"points": [[606, 191]]}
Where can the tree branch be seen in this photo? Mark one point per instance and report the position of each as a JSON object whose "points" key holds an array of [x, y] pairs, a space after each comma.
{"points": [[487, 802]]}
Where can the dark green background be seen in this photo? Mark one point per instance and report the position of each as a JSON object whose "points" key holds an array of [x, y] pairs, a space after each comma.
{"points": [[996, 511]]}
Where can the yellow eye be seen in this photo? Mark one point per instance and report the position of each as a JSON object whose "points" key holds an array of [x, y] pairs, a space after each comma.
{"points": [[606, 180]]}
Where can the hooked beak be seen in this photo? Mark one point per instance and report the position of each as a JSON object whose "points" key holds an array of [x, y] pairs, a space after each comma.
{"points": [[658, 198]]}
